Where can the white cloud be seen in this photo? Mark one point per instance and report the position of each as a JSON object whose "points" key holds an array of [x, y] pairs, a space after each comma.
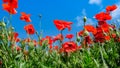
{"points": [[84, 12], [80, 19], [97, 2]]}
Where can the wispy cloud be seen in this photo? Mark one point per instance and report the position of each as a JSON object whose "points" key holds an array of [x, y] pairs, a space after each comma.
{"points": [[80, 19], [97, 2]]}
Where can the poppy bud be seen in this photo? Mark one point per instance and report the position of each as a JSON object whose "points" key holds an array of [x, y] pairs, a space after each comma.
{"points": [[85, 19], [2, 24], [86, 33], [111, 29], [117, 33], [78, 38], [12, 28]]}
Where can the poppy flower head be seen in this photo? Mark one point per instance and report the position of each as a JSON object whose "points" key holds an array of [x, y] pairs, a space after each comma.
{"points": [[90, 28], [111, 8], [81, 33], [9, 9], [10, 6], [58, 37], [25, 17], [47, 40], [61, 25], [87, 40], [69, 46], [56, 47], [69, 36], [107, 38], [29, 29], [11, 3], [102, 16]]}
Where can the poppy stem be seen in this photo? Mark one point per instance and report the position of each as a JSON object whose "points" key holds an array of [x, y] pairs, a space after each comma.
{"points": [[40, 16], [61, 37]]}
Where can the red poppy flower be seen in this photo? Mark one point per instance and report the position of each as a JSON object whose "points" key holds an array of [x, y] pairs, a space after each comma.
{"points": [[81, 33], [9, 9], [25, 17], [114, 35], [69, 36], [87, 40], [48, 39], [111, 8], [12, 3], [69, 46], [90, 28], [29, 29], [61, 25], [102, 16], [27, 40], [18, 48], [101, 23], [14, 37], [99, 37], [58, 37], [56, 47], [35, 42], [107, 38], [105, 27]]}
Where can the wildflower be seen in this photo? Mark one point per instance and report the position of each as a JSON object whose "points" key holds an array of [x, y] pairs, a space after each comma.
{"points": [[58, 37], [111, 8], [9, 9], [90, 28], [81, 33], [107, 38], [102, 16], [69, 36], [35, 42], [61, 25], [29, 29], [14, 37], [113, 35], [56, 47], [69, 46], [12, 3], [10, 6], [25, 17], [47, 39], [87, 40], [18, 48]]}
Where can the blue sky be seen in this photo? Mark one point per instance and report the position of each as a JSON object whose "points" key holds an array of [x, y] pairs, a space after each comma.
{"points": [[50, 10]]}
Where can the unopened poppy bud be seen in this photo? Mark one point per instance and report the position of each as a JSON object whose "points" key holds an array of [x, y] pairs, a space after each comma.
{"points": [[86, 33], [40, 15], [85, 19], [2, 24], [78, 39], [9, 32], [117, 33], [12, 28], [111, 29]]}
